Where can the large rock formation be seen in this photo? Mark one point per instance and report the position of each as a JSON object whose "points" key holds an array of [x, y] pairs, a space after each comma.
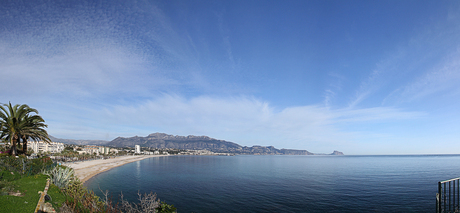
{"points": [[337, 153]]}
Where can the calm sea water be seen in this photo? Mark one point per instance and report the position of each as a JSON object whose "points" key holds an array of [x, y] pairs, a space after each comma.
{"points": [[285, 183]]}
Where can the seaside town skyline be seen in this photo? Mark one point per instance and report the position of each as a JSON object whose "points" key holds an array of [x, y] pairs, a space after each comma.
{"points": [[361, 77]]}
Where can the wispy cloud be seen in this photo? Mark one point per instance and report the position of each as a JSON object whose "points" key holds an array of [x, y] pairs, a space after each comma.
{"points": [[226, 41], [440, 80], [379, 77], [90, 51], [248, 120], [334, 87]]}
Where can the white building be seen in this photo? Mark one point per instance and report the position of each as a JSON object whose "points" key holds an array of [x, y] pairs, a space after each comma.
{"points": [[52, 147], [104, 150], [137, 149], [96, 149], [91, 150]]}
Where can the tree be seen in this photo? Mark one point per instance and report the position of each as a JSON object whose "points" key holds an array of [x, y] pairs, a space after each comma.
{"points": [[34, 130], [18, 123]]}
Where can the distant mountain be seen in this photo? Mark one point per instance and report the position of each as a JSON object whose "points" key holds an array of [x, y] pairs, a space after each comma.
{"points": [[79, 142], [336, 153], [162, 140]]}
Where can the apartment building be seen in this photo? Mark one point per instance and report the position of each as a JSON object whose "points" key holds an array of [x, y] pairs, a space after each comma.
{"points": [[96, 149], [52, 147]]}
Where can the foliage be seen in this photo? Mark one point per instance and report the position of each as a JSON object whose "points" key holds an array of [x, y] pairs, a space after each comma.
{"points": [[82, 200], [11, 163], [18, 123], [29, 152], [28, 199], [5, 187], [28, 188], [147, 203], [67, 191], [166, 208], [23, 166], [61, 176], [19, 175], [57, 196], [79, 199], [9, 175]]}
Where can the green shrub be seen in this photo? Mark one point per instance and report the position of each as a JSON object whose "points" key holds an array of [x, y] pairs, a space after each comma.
{"points": [[25, 166], [61, 176], [40, 165], [80, 199], [9, 176], [166, 208], [12, 163]]}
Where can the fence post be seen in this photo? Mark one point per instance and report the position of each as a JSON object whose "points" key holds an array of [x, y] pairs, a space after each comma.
{"points": [[23, 166], [437, 203], [439, 198]]}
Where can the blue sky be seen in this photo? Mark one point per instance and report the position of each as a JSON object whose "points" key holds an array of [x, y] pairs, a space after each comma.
{"points": [[362, 77]]}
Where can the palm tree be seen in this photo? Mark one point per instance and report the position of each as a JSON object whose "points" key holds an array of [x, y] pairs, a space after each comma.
{"points": [[34, 130], [17, 123]]}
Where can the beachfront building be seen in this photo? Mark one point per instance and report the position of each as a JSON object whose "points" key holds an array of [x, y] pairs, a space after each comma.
{"points": [[91, 150], [40, 146], [96, 149], [137, 149], [104, 150]]}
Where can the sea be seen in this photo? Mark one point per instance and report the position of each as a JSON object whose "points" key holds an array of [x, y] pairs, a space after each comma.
{"points": [[281, 183]]}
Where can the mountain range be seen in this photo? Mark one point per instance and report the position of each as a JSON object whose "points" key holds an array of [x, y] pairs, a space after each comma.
{"points": [[162, 140]]}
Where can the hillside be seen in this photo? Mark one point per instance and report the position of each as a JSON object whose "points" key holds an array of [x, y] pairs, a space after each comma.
{"points": [[162, 140], [79, 142]]}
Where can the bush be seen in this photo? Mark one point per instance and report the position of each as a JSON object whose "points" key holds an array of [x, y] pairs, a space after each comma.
{"points": [[39, 165], [9, 176], [11, 163], [147, 203], [79, 199], [166, 208], [25, 166], [61, 176]]}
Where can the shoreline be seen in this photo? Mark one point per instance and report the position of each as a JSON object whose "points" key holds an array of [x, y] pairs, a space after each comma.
{"points": [[88, 169]]}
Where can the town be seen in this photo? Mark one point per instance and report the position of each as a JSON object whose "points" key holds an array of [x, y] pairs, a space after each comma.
{"points": [[71, 152]]}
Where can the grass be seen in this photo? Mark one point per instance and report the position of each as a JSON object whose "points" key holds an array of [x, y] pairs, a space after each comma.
{"points": [[77, 197], [57, 197], [29, 187]]}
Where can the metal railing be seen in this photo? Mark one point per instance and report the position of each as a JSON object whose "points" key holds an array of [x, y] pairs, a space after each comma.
{"points": [[448, 196]]}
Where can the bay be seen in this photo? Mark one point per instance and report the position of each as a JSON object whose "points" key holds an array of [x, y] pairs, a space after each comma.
{"points": [[247, 183]]}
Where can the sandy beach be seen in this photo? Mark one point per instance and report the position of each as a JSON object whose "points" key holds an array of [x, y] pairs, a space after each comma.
{"points": [[87, 169]]}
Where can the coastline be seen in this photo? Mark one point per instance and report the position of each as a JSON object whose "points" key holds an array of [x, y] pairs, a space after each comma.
{"points": [[88, 169]]}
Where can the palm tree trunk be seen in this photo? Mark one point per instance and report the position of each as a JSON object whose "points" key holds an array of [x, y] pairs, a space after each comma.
{"points": [[14, 150], [24, 145]]}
